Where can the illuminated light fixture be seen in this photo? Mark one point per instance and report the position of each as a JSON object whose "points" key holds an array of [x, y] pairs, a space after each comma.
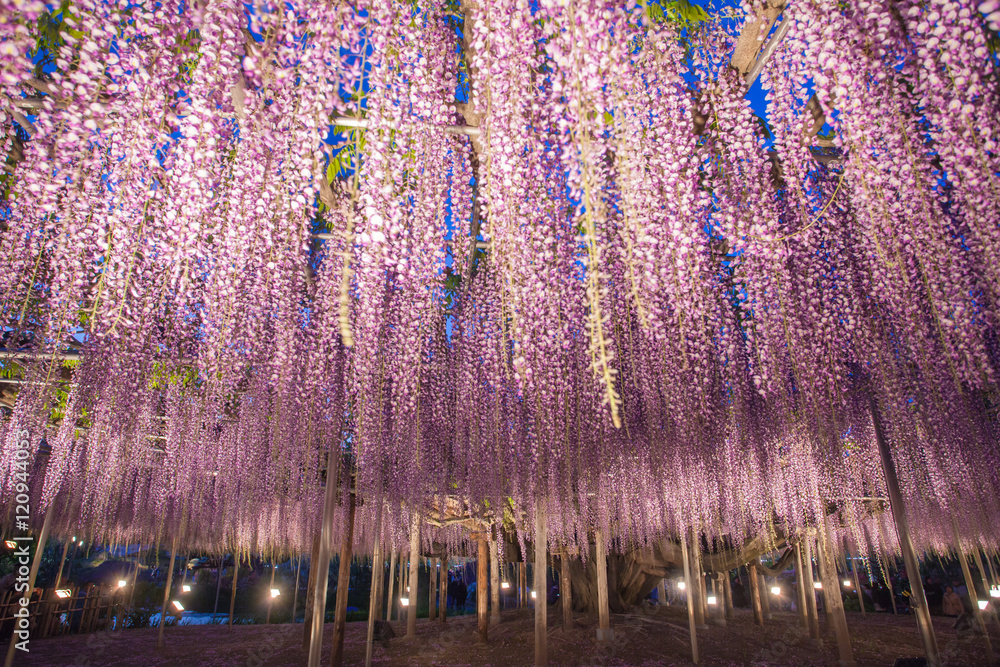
{"points": [[64, 592], [404, 601], [818, 585], [178, 606], [186, 588], [681, 585], [775, 590], [711, 599], [11, 544], [534, 595], [982, 604], [504, 585], [995, 592], [122, 583], [847, 583], [74, 538], [407, 589], [275, 592]]}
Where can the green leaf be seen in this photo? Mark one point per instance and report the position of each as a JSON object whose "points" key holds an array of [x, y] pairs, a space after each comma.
{"points": [[333, 168], [682, 13]]}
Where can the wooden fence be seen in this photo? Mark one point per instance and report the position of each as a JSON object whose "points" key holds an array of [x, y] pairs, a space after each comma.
{"points": [[88, 609]]}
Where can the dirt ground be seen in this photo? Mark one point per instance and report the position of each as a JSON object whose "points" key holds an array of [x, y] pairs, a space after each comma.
{"points": [[652, 636]]}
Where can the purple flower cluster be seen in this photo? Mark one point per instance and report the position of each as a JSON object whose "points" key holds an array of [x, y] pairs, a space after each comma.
{"points": [[677, 320]]}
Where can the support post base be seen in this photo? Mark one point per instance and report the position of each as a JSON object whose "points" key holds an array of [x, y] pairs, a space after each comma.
{"points": [[607, 635]]}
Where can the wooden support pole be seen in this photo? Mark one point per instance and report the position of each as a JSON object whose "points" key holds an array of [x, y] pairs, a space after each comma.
{"points": [[482, 589], [495, 579], [703, 581], [307, 613], [821, 566], [412, 579], [857, 580], [812, 615], [524, 578], [976, 612], [443, 592], [135, 578], [375, 593], [694, 592], [982, 571], [392, 581], [295, 595], [524, 584], [604, 631], [270, 599], [432, 593], [232, 598], [800, 584], [343, 586], [833, 599], [520, 590], [989, 562], [688, 587], [918, 600], [62, 564], [718, 588], [765, 597], [986, 584], [661, 593], [323, 557], [541, 602], [565, 590], [166, 591], [218, 587], [400, 583], [404, 576], [885, 570], [727, 589], [755, 602], [381, 586], [701, 598]]}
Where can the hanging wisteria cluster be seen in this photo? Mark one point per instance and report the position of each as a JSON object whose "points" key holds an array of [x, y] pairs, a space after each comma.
{"points": [[515, 253]]}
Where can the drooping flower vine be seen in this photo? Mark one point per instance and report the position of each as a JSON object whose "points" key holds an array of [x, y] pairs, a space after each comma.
{"points": [[512, 255]]}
